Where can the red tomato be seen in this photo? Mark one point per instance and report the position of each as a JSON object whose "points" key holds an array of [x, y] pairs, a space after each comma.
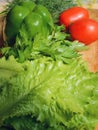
{"points": [[85, 30], [73, 14]]}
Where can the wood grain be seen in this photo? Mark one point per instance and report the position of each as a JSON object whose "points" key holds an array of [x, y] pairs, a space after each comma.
{"points": [[91, 55]]}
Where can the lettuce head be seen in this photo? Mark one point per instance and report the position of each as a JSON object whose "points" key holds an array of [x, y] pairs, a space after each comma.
{"points": [[46, 94]]}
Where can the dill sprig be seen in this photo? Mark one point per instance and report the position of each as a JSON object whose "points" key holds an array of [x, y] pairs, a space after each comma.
{"points": [[56, 6]]}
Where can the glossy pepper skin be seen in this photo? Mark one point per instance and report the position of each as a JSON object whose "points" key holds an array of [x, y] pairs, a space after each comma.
{"points": [[33, 18], [33, 24], [43, 11], [14, 20], [28, 4], [47, 19]]}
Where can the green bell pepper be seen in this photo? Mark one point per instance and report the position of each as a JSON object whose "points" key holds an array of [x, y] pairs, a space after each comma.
{"points": [[38, 21], [33, 24], [43, 11], [32, 18], [28, 4], [14, 20], [47, 18]]}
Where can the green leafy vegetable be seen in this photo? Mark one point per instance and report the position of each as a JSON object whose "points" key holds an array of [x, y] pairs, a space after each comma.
{"points": [[54, 94], [55, 45]]}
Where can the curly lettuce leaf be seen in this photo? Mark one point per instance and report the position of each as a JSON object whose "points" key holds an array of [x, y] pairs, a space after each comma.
{"points": [[29, 123], [55, 94]]}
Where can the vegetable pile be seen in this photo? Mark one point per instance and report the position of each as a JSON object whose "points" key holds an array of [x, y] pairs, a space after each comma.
{"points": [[55, 7], [44, 82]]}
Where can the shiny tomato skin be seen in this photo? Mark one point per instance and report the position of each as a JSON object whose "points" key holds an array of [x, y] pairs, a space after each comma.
{"points": [[73, 14], [85, 30]]}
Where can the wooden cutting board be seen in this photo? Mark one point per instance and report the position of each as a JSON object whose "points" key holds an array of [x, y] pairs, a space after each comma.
{"points": [[91, 55]]}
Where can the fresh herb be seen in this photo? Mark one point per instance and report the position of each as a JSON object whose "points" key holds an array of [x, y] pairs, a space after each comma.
{"points": [[55, 45]]}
